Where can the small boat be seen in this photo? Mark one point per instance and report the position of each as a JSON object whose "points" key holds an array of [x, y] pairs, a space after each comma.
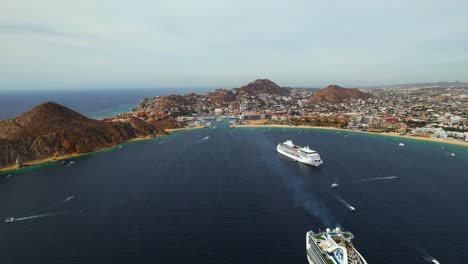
{"points": [[335, 184], [9, 220], [452, 154], [214, 127], [69, 198], [401, 145], [352, 208], [9, 175], [120, 147]]}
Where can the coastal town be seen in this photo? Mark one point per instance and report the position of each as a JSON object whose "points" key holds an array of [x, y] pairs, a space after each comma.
{"points": [[423, 110]]}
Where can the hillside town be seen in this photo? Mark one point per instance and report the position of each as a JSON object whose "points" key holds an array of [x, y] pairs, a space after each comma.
{"points": [[422, 111]]}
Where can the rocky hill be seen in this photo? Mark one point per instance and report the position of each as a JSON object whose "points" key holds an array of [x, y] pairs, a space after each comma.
{"points": [[336, 94], [185, 104], [50, 130], [263, 86]]}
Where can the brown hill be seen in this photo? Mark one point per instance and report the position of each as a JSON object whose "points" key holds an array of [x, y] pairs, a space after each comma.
{"points": [[336, 94], [221, 96], [263, 86], [50, 130]]}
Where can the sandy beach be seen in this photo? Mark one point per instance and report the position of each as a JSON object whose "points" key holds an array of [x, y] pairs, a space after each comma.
{"points": [[452, 142]]}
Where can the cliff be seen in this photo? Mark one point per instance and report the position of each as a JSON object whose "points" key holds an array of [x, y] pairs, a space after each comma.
{"points": [[51, 130], [336, 94]]}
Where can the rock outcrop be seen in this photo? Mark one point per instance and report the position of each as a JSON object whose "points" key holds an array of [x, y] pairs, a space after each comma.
{"points": [[51, 130]]}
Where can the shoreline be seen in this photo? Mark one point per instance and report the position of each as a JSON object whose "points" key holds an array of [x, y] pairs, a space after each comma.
{"points": [[437, 140], [183, 128], [76, 155], [68, 156]]}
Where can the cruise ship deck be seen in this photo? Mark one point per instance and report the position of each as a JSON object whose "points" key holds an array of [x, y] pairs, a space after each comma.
{"points": [[332, 246]]}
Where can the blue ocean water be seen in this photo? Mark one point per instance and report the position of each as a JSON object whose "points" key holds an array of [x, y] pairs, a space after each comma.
{"points": [[230, 198], [92, 103]]}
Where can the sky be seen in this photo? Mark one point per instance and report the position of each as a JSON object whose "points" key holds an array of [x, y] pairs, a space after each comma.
{"points": [[85, 44]]}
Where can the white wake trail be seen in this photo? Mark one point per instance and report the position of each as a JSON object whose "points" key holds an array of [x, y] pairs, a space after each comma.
{"points": [[34, 216], [205, 138], [379, 178], [345, 203]]}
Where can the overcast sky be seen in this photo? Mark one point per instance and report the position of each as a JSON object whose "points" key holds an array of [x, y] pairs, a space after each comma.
{"points": [[62, 44]]}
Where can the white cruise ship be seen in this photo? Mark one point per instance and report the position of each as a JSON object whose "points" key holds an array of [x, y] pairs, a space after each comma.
{"points": [[332, 246], [301, 154]]}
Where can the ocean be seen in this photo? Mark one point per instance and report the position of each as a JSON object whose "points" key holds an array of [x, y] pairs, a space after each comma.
{"points": [[92, 103], [226, 196]]}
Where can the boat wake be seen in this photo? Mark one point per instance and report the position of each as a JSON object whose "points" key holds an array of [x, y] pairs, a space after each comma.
{"points": [[34, 216], [430, 259], [53, 206], [205, 138], [378, 179], [345, 203], [162, 142]]}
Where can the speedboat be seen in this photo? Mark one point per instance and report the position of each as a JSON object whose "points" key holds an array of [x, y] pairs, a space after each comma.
{"points": [[335, 184], [435, 261], [9, 220], [401, 145], [352, 208]]}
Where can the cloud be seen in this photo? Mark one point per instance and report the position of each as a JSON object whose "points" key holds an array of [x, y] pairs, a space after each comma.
{"points": [[64, 44]]}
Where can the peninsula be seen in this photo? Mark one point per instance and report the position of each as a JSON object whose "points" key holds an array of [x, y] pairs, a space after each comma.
{"points": [[51, 131]]}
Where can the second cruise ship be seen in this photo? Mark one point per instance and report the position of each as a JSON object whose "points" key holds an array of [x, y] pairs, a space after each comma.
{"points": [[301, 154], [332, 246]]}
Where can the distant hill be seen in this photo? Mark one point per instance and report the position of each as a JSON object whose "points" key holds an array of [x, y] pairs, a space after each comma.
{"points": [[421, 85], [50, 129], [263, 86], [337, 94]]}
